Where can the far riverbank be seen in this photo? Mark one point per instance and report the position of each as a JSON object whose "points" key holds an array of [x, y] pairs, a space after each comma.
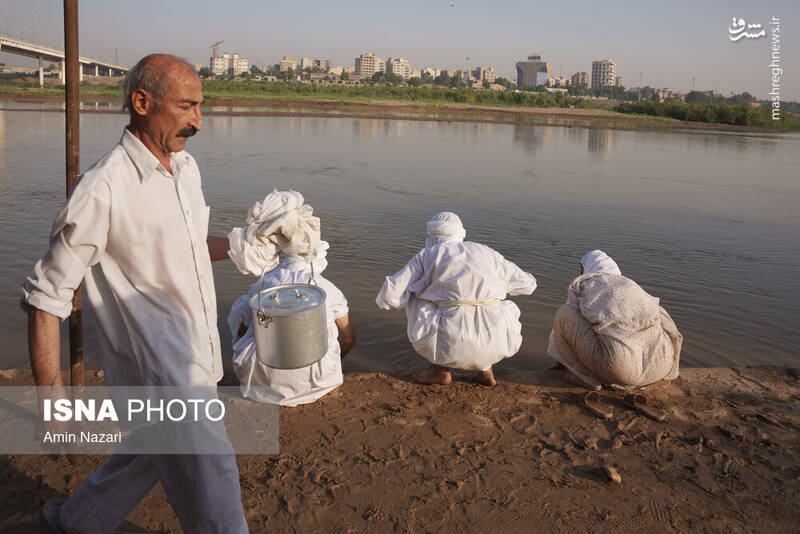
{"points": [[405, 110]]}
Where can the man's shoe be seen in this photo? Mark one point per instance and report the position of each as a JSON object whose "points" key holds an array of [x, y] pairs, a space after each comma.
{"points": [[50, 516]]}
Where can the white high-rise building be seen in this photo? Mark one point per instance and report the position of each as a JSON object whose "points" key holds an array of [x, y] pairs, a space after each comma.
{"points": [[430, 70], [368, 64], [399, 66], [604, 72], [229, 64], [289, 62]]}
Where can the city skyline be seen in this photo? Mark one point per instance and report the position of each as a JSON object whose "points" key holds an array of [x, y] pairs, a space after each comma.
{"points": [[672, 46]]}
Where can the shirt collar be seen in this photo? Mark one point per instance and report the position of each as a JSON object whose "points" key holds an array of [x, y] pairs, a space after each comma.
{"points": [[145, 161]]}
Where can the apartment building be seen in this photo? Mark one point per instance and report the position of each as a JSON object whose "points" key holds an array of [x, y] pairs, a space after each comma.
{"points": [[604, 72], [289, 62], [368, 64], [399, 66], [229, 64], [580, 79]]}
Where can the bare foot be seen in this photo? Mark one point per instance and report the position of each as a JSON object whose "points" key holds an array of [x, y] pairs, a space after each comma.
{"points": [[435, 374], [558, 366], [486, 378], [569, 376]]}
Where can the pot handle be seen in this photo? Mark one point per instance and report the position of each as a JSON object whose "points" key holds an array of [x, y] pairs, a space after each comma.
{"points": [[263, 318], [312, 280]]}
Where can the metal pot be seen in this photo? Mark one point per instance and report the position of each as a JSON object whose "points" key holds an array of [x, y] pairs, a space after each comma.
{"points": [[290, 325]]}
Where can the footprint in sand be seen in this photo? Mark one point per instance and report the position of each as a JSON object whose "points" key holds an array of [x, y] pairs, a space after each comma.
{"points": [[481, 420]]}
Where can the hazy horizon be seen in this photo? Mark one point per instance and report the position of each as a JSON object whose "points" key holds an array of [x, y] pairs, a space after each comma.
{"points": [[668, 44]]}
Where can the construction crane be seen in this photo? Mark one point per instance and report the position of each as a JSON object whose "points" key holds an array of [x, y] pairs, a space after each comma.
{"points": [[213, 48]]}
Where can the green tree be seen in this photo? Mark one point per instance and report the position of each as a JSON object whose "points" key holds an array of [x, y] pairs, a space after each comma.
{"points": [[486, 84], [392, 78], [415, 81], [427, 78], [205, 72], [505, 82], [345, 75]]}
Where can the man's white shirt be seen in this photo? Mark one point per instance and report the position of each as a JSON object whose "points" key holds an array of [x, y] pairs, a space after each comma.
{"points": [[138, 235]]}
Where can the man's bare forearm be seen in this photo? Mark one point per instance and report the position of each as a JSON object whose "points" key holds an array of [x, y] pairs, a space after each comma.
{"points": [[44, 347], [347, 334], [218, 247]]}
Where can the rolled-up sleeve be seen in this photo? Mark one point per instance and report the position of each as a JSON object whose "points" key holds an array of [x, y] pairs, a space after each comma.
{"points": [[519, 281], [77, 241], [394, 293]]}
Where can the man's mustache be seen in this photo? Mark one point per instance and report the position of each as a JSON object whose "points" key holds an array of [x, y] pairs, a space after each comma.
{"points": [[187, 132]]}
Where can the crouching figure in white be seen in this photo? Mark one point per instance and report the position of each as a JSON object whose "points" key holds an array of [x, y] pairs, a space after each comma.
{"points": [[454, 293], [610, 331], [290, 387]]}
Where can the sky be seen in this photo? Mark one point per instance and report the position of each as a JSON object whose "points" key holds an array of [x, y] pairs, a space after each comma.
{"points": [[669, 43]]}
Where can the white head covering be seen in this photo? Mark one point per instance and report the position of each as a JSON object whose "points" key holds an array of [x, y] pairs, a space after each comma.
{"points": [[598, 261], [444, 227], [279, 223], [320, 262], [284, 221]]}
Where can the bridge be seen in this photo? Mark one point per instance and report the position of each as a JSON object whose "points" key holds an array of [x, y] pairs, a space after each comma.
{"points": [[89, 66], [24, 31]]}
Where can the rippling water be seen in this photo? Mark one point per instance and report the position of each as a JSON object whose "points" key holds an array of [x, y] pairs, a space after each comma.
{"points": [[706, 221]]}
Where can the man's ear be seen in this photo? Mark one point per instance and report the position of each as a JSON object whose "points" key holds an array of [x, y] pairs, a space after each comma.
{"points": [[141, 102]]}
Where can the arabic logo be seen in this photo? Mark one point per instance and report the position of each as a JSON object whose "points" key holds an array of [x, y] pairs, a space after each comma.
{"points": [[737, 27]]}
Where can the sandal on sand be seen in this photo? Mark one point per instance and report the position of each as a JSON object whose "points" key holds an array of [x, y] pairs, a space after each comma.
{"points": [[592, 402], [639, 402]]}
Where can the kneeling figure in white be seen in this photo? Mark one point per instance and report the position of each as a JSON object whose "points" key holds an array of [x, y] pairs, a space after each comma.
{"points": [[453, 291], [290, 387]]}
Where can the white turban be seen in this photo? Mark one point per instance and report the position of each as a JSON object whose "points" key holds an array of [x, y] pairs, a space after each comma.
{"points": [[279, 223], [444, 227], [598, 261], [320, 262]]}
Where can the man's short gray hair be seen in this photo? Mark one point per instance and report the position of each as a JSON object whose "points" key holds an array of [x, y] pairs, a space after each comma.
{"points": [[150, 75]]}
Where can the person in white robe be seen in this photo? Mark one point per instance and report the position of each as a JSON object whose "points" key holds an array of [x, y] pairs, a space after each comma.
{"points": [[454, 294], [290, 387], [610, 331]]}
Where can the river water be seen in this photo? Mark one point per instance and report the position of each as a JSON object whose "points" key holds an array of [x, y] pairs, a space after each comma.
{"points": [[707, 221]]}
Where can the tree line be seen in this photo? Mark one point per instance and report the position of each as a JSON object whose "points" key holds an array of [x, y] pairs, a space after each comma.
{"points": [[719, 112]]}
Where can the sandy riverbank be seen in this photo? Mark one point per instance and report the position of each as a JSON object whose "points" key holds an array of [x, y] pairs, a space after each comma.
{"points": [[383, 454], [405, 110]]}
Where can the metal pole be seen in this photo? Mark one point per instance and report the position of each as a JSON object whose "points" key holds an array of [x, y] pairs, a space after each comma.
{"points": [[73, 169]]}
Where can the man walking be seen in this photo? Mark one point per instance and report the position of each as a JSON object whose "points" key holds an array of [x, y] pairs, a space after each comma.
{"points": [[135, 228]]}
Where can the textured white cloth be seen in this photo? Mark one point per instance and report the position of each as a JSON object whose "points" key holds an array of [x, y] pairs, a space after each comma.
{"points": [[251, 259], [460, 336], [287, 387], [138, 234], [279, 223], [444, 227], [598, 261], [611, 331]]}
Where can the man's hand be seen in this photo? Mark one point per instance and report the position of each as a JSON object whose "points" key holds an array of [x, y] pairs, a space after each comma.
{"points": [[218, 247]]}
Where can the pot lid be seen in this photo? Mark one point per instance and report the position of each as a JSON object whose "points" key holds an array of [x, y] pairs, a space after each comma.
{"points": [[289, 299]]}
